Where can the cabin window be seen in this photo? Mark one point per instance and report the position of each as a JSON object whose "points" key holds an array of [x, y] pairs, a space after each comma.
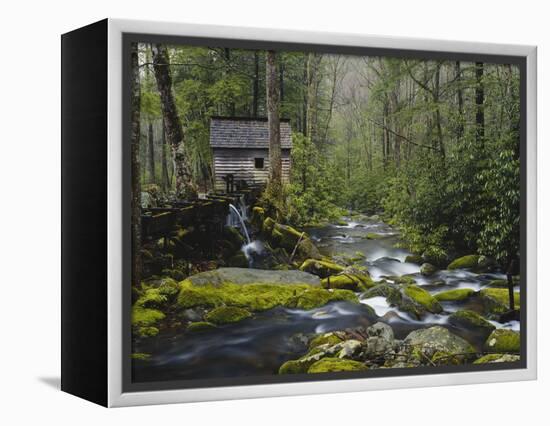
{"points": [[259, 163]]}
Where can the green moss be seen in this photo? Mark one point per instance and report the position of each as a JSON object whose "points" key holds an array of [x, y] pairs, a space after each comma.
{"points": [[258, 216], [347, 282], [268, 225], [200, 326], [140, 356], [227, 315], [455, 295], [405, 279], [327, 338], [329, 365], [146, 331], [427, 269], [465, 262], [238, 260], [423, 298], [358, 256], [321, 268], [340, 222], [373, 236], [315, 297], [293, 367], [258, 297], [496, 300], [503, 341], [152, 298], [145, 317], [470, 319], [490, 358], [502, 283]]}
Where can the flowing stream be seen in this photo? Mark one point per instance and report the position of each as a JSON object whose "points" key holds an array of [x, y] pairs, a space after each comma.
{"points": [[259, 345]]}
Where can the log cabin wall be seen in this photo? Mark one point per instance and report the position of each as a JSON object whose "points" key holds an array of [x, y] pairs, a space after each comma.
{"points": [[243, 165], [240, 147]]}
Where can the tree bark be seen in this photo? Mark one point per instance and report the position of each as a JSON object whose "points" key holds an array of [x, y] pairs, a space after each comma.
{"points": [[151, 145], [165, 177], [185, 187], [136, 184], [272, 95]]}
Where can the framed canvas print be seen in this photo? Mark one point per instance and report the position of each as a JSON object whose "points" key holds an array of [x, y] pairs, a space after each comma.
{"points": [[254, 212]]}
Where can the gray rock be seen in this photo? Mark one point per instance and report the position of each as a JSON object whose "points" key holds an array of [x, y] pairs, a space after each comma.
{"points": [[380, 330], [191, 315], [437, 338], [245, 276], [349, 348], [427, 269]]}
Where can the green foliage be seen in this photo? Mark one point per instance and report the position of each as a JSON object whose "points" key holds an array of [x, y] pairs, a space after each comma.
{"points": [[315, 185]]}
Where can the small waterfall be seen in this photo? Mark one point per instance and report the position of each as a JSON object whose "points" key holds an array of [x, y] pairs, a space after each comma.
{"points": [[241, 221]]}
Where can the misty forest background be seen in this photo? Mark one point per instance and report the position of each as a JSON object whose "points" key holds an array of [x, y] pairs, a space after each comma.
{"points": [[431, 145]]}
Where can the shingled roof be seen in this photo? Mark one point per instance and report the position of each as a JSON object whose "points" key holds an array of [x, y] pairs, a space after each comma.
{"points": [[232, 132]]}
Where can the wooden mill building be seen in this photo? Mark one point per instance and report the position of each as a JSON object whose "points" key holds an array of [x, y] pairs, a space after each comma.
{"points": [[240, 147]]}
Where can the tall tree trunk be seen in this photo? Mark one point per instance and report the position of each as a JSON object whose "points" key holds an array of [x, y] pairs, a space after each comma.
{"points": [[480, 99], [165, 177], [256, 84], [151, 145], [272, 96], [136, 184], [227, 54], [312, 80], [185, 187], [305, 102]]}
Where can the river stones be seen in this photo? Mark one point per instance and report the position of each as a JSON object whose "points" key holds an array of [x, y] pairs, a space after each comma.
{"points": [[503, 341], [350, 348], [496, 300], [471, 320], [330, 365], [380, 330], [456, 295], [422, 298], [226, 315], [321, 268], [427, 269], [496, 358], [323, 339], [438, 339], [464, 262], [245, 276]]}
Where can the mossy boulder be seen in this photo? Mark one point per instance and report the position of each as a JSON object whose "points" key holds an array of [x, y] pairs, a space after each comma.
{"points": [[414, 258], [200, 326], [331, 365], [435, 339], [427, 269], [293, 367], [257, 290], [152, 298], [238, 260], [382, 290], [146, 317], [471, 320], [315, 297], [496, 358], [258, 217], [502, 283], [465, 262], [227, 315], [496, 300], [324, 339], [351, 278], [321, 268], [373, 236], [456, 295], [503, 341], [423, 298]]}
